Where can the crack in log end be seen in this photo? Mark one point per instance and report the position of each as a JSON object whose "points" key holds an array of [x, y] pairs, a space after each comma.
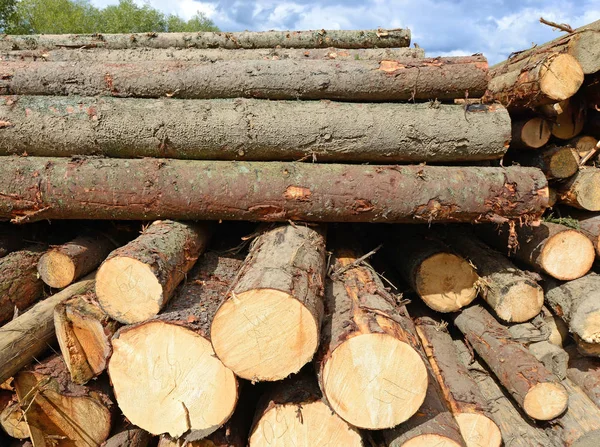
{"points": [[434, 209], [268, 213], [362, 206], [390, 66], [297, 193]]}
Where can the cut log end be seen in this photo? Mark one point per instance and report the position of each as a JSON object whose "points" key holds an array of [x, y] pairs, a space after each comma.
{"points": [[478, 430], [535, 133], [522, 302], [264, 334], [587, 319], [561, 78], [546, 401], [431, 440], [386, 392], [569, 122], [563, 163], [446, 282], [568, 255], [128, 290], [307, 424], [167, 379], [56, 269]]}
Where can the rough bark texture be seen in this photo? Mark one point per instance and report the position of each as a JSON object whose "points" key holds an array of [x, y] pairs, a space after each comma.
{"points": [[585, 373], [379, 38], [421, 79], [28, 335], [129, 437], [167, 250], [512, 294], [252, 129], [557, 162], [582, 190], [530, 133], [34, 189], [514, 366], [19, 283], [555, 359], [578, 304]]}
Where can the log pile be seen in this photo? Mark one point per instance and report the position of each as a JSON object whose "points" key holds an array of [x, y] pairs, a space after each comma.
{"points": [[398, 275]]}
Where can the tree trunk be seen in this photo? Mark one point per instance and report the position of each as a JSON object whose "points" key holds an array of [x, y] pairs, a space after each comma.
{"points": [[386, 80], [19, 283], [60, 413], [555, 249], [137, 280], [578, 304], [379, 38], [369, 366], [530, 133], [585, 373], [178, 189], [293, 412], [268, 326], [570, 120], [517, 431], [84, 331], [582, 190], [30, 334], [445, 281], [11, 417], [556, 162], [130, 436], [540, 80], [252, 129], [62, 265], [469, 407], [513, 295], [589, 224], [532, 386], [166, 376], [209, 54]]}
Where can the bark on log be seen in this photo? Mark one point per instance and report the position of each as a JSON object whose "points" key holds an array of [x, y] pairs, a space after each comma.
{"points": [[369, 366], [84, 331], [556, 162], [555, 359], [582, 190], [517, 430], [530, 133], [530, 384], [386, 80], [19, 283], [268, 326], [34, 189], [60, 413], [544, 79], [585, 373], [379, 38], [570, 120], [578, 304], [555, 249], [252, 129], [293, 412], [62, 265], [445, 281], [209, 54], [130, 436], [137, 280], [165, 374], [513, 295], [469, 407], [29, 335]]}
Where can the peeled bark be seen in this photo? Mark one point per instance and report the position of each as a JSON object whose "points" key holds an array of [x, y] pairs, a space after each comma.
{"points": [[268, 326], [137, 280], [369, 366], [513, 295], [386, 80], [556, 162], [34, 189], [379, 38], [582, 190], [174, 348], [252, 129], [585, 373], [530, 133], [531, 385], [469, 407]]}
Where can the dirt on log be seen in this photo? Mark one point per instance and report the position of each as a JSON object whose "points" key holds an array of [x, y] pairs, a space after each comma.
{"points": [[252, 129], [386, 80], [34, 188]]}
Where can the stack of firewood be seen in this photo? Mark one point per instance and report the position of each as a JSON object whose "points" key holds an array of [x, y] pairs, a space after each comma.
{"points": [[312, 327]]}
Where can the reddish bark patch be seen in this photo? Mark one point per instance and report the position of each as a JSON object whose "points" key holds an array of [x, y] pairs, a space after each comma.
{"points": [[297, 193]]}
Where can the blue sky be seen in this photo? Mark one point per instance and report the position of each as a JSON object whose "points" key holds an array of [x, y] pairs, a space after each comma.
{"points": [[442, 27]]}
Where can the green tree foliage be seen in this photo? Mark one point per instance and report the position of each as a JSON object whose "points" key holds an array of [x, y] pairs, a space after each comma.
{"points": [[7, 9], [81, 17]]}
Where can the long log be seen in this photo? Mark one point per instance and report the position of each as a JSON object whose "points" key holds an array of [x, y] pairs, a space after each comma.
{"points": [[165, 374], [530, 133], [512, 295], [386, 80], [137, 280], [268, 326], [379, 38], [556, 162], [531, 385], [30, 334], [369, 366], [34, 189], [470, 409], [252, 129], [582, 190]]}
